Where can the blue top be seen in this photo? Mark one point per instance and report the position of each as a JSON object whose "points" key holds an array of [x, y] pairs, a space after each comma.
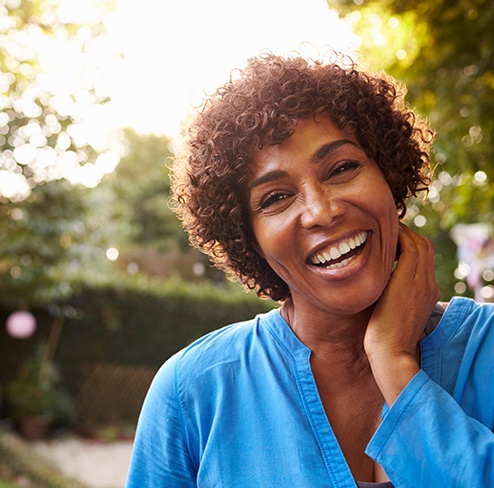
{"points": [[240, 408]]}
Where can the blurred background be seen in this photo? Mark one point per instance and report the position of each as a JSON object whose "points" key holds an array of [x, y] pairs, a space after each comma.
{"points": [[98, 286]]}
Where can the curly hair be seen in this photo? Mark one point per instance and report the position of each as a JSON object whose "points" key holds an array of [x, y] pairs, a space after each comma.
{"points": [[260, 106]]}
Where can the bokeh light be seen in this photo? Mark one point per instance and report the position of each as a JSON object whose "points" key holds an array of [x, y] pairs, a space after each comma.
{"points": [[21, 324], [112, 253]]}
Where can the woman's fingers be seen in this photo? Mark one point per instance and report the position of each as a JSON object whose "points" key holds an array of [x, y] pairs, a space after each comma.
{"points": [[400, 315]]}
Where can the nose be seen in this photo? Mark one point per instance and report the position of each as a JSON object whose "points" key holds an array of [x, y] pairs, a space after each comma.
{"points": [[320, 208]]}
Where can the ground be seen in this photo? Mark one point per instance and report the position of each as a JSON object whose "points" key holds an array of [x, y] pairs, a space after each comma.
{"points": [[96, 463]]}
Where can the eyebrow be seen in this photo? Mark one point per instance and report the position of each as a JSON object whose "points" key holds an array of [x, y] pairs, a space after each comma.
{"points": [[323, 151], [272, 175]]}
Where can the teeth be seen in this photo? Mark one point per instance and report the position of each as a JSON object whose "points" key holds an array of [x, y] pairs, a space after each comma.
{"points": [[335, 253], [344, 247], [340, 264], [339, 250]]}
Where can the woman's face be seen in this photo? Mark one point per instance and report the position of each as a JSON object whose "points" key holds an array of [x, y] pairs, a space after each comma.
{"points": [[324, 217]]}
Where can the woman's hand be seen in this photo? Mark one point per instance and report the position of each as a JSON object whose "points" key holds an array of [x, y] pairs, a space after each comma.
{"points": [[400, 315]]}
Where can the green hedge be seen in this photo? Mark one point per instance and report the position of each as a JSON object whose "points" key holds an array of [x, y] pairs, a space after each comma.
{"points": [[132, 322]]}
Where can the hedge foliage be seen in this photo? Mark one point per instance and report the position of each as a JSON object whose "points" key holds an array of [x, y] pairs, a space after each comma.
{"points": [[131, 321]]}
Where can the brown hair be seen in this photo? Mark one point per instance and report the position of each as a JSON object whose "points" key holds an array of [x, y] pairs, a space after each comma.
{"points": [[260, 106]]}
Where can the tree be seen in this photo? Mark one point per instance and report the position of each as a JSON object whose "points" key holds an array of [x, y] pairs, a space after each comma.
{"points": [[50, 226], [156, 244], [44, 91], [444, 52], [141, 187], [49, 238]]}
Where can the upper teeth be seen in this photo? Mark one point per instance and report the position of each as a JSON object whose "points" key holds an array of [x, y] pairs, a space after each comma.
{"points": [[340, 249]]}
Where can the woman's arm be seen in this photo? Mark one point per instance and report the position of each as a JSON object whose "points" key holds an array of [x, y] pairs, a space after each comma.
{"points": [[160, 456], [426, 439]]}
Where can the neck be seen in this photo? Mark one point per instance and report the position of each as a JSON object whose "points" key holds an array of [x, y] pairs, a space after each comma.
{"points": [[336, 340]]}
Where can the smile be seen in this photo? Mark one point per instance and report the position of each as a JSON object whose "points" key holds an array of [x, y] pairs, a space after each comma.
{"points": [[341, 254]]}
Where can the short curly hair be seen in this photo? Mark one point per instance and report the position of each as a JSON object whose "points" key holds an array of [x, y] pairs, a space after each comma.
{"points": [[260, 106]]}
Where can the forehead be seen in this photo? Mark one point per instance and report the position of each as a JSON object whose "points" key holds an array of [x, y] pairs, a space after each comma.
{"points": [[311, 135]]}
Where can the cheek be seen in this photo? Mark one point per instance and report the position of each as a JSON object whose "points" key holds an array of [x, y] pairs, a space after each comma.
{"points": [[270, 235], [384, 208]]}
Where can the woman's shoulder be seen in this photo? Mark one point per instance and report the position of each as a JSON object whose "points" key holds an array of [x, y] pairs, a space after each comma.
{"points": [[461, 345], [466, 308], [224, 345], [209, 363], [461, 312]]}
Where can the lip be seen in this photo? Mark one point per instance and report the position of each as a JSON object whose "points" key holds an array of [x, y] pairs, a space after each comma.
{"points": [[354, 266]]}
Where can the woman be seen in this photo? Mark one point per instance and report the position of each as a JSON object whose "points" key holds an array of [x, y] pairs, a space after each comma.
{"points": [[294, 180]]}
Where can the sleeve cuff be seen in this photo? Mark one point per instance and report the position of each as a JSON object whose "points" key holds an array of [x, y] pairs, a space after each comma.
{"points": [[393, 415]]}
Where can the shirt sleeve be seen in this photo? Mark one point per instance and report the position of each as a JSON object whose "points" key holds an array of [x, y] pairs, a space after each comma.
{"points": [[160, 455], [426, 439]]}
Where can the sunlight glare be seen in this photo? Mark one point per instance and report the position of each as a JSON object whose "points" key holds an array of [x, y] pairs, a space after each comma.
{"points": [[180, 49], [156, 60], [13, 186]]}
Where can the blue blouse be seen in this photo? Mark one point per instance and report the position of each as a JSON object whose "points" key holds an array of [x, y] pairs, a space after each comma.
{"points": [[239, 408]]}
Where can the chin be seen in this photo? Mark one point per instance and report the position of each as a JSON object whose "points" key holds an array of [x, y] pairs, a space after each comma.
{"points": [[361, 302]]}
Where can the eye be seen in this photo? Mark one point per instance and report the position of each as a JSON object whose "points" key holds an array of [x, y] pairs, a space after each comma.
{"points": [[344, 167], [271, 199]]}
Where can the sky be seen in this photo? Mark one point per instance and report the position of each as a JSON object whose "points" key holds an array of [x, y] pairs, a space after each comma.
{"points": [[157, 60], [174, 51]]}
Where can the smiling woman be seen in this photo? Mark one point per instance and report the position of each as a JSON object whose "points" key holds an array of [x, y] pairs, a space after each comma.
{"points": [[319, 191], [294, 178], [261, 109]]}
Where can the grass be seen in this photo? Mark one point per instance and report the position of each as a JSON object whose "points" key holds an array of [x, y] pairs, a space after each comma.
{"points": [[7, 484]]}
